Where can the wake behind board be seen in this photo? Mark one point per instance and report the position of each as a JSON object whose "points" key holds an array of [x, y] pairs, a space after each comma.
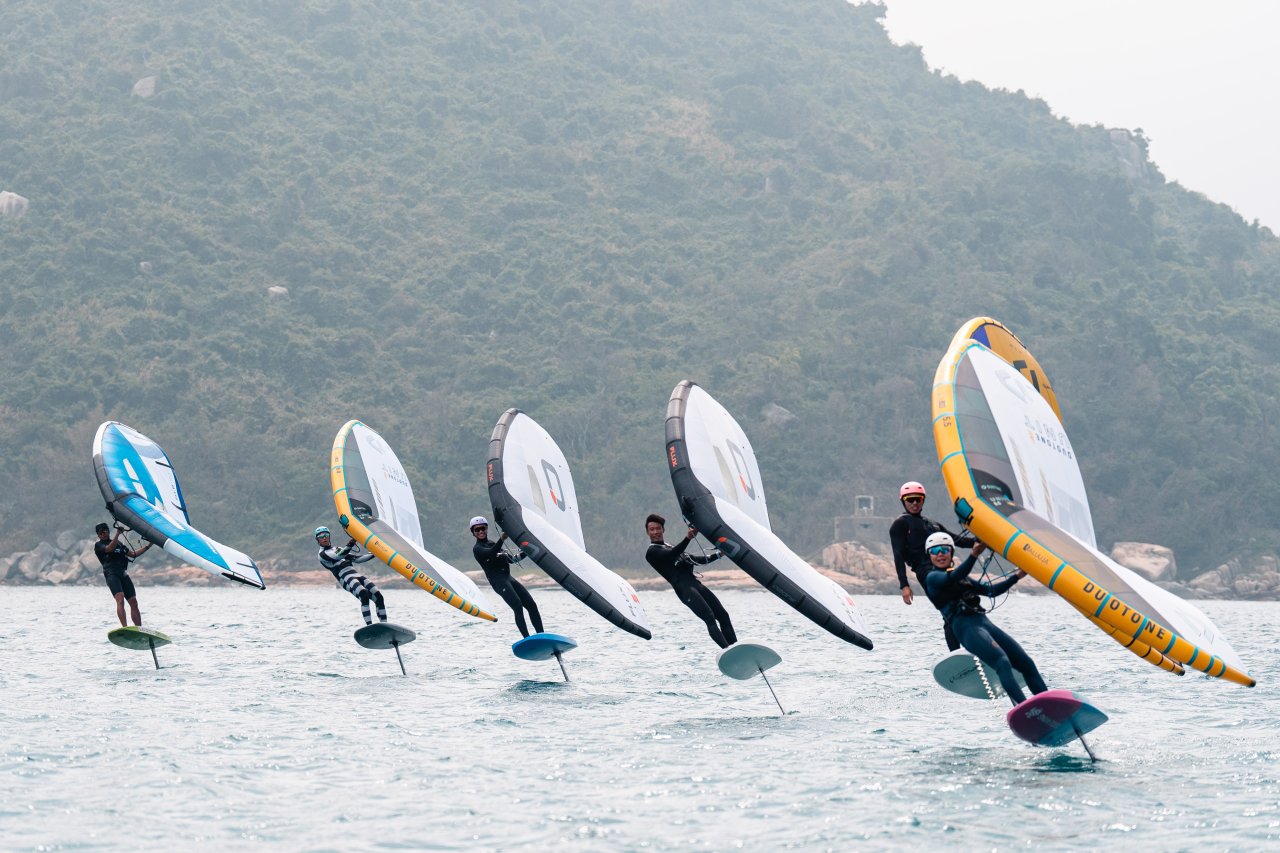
{"points": [[541, 646], [1054, 718], [747, 660], [384, 635], [959, 672], [139, 639]]}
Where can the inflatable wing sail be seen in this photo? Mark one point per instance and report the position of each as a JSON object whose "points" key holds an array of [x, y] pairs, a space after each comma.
{"points": [[717, 482], [534, 502], [1015, 481], [376, 507], [142, 492]]}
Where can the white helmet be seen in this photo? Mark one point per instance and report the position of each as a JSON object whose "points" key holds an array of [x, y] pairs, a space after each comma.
{"points": [[478, 520], [939, 538]]}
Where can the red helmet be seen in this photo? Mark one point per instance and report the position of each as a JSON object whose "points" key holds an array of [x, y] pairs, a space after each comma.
{"points": [[911, 488]]}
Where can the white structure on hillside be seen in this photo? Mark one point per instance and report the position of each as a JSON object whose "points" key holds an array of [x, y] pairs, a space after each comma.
{"points": [[12, 204]]}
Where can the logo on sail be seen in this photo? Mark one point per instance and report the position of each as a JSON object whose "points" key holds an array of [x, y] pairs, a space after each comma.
{"points": [[744, 473], [553, 484]]}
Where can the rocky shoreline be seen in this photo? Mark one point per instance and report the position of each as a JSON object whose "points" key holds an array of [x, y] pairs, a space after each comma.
{"points": [[70, 561]]}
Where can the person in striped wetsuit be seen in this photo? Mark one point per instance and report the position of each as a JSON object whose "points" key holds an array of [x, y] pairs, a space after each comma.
{"points": [[340, 562]]}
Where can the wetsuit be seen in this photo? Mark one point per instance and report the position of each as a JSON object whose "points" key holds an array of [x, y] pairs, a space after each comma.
{"points": [[954, 593], [907, 534], [115, 567], [676, 567], [339, 561], [497, 570]]}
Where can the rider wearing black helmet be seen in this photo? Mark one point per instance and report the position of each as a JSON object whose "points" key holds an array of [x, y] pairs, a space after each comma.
{"points": [[115, 556]]}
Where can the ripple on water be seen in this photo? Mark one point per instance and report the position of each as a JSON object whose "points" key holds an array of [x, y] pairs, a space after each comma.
{"points": [[318, 744]]}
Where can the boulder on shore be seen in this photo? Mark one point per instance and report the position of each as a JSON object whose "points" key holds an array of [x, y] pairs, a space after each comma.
{"points": [[144, 87], [857, 569], [1153, 562]]}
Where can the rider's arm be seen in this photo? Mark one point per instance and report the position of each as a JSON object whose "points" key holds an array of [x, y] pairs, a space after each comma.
{"points": [[1000, 587], [898, 539]]}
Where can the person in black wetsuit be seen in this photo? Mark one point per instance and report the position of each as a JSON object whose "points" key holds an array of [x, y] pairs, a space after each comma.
{"points": [[341, 564], [676, 567], [114, 556], [497, 569], [955, 594], [907, 535]]}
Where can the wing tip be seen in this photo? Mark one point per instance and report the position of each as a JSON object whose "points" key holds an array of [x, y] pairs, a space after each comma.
{"points": [[259, 584]]}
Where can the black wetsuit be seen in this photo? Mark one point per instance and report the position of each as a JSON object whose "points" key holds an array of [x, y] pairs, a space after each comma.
{"points": [[954, 593], [340, 563], [115, 567], [497, 570], [676, 567], [907, 535]]}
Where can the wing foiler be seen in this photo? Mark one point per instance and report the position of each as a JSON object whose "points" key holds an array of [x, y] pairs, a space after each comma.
{"points": [[535, 503], [142, 492], [717, 482], [1015, 481], [376, 507]]}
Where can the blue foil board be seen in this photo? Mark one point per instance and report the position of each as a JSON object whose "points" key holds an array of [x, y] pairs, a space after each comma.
{"points": [[541, 646]]}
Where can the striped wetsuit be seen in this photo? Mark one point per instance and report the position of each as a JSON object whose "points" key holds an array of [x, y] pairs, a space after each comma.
{"points": [[339, 561]]}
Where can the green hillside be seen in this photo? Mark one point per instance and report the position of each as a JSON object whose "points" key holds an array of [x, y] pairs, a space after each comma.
{"points": [[569, 207]]}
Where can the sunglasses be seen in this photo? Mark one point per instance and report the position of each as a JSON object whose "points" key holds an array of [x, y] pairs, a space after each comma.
{"points": [[940, 549], [914, 499]]}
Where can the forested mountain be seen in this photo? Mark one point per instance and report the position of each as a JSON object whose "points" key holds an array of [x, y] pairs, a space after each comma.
{"points": [[568, 207]]}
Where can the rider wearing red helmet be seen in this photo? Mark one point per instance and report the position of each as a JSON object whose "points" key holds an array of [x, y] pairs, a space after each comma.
{"points": [[907, 535]]}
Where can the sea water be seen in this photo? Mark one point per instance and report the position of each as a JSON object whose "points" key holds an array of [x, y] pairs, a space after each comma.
{"points": [[267, 727]]}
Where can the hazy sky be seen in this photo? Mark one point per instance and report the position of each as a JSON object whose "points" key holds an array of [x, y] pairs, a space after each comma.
{"points": [[1201, 78]]}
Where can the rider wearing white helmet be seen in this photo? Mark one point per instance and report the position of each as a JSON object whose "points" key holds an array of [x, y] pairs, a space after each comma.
{"points": [[939, 538], [496, 563], [958, 597]]}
